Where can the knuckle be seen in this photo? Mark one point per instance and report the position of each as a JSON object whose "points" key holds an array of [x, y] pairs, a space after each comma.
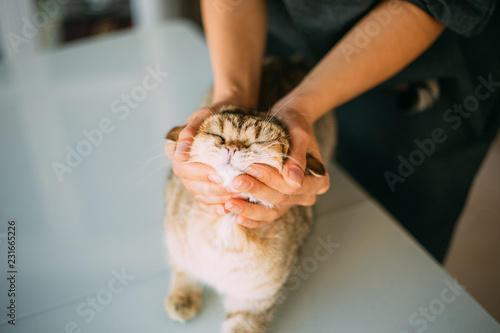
{"points": [[292, 190], [281, 199]]}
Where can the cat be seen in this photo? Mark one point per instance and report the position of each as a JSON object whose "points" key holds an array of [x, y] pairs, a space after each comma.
{"points": [[248, 267]]}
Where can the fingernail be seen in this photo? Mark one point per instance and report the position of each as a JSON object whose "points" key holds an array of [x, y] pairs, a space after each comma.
{"points": [[239, 196], [220, 210], [233, 208], [215, 178], [243, 185], [254, 173], [182, 148], [295, 176]]}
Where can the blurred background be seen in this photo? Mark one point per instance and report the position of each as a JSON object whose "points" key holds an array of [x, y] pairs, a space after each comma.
{"points": [[30, 25]]}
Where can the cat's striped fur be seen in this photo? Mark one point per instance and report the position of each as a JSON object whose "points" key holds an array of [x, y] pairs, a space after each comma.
{"points": [[247, 267]]}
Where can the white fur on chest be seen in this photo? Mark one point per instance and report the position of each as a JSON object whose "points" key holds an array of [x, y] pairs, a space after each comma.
{"points": [[211, 260]]}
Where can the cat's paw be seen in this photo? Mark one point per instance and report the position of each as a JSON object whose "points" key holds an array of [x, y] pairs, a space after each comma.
{"points": [[183, 305], [244, 322]]}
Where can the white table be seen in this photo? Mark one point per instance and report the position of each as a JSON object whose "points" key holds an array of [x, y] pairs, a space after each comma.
{"points": [[83, 221]]}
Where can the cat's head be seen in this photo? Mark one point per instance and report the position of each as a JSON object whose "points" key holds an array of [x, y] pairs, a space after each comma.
{"points": [[239, 137]]}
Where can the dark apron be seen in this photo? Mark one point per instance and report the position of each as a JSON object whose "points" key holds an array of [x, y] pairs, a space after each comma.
{"points": [[419, 167]]}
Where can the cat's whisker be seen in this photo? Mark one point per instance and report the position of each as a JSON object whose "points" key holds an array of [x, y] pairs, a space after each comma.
{"points": [[146, 163], [270, 155], [151, 173], [281, 107], [270, 145], [291, 158], [154, 147], [209, 107], [152, 159]]}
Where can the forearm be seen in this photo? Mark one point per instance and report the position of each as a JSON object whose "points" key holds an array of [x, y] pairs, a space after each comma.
{"points": [[351, 68], [236, 37]]}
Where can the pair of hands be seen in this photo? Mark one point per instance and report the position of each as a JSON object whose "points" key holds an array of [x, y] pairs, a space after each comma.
{"points": [[283, 190]]}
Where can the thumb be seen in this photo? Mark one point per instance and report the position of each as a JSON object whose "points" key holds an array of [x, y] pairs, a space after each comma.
{"points": [[186, 136], [295, 164]]}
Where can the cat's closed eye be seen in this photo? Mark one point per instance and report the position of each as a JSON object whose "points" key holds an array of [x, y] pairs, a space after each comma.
{"points": [[263, 142], [217, 136]]}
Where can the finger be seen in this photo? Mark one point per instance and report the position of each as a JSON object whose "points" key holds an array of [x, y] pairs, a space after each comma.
{"points": [[253, 211], [270, 177], [187, 135], [248, 184], [318, 185], [196, 171], [213, 200], [203, 188], [251, 224], [295, 164], [213, 209], [277, 198], [170, 148]]}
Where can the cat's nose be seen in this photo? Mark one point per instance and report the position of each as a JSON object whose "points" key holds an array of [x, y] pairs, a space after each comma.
{"points": [[232, 150]]}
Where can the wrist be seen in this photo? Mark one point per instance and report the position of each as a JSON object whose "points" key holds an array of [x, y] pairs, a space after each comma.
{"points": [[296, 104], [235, 95], [242, 89]]}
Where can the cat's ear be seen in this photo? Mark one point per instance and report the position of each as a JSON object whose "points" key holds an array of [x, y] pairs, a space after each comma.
{"points": [[173, 135], [314, 166]]}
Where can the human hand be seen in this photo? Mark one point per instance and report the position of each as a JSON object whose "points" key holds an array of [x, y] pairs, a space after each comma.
{"points": [[198, 178], [285, 190]]}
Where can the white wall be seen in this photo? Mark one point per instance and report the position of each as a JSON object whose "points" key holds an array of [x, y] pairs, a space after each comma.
{"points": [[19, 27]]}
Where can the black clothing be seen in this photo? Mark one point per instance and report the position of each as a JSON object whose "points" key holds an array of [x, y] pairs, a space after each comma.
{"points": [[419, 167]]}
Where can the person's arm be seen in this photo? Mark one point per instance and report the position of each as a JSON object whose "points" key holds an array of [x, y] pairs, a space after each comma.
{"points": [[349, 69], [353, 66], [236, 36]]}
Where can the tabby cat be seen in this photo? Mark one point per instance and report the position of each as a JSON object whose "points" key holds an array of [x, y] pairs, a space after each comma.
{"points": [[248, 267]]}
